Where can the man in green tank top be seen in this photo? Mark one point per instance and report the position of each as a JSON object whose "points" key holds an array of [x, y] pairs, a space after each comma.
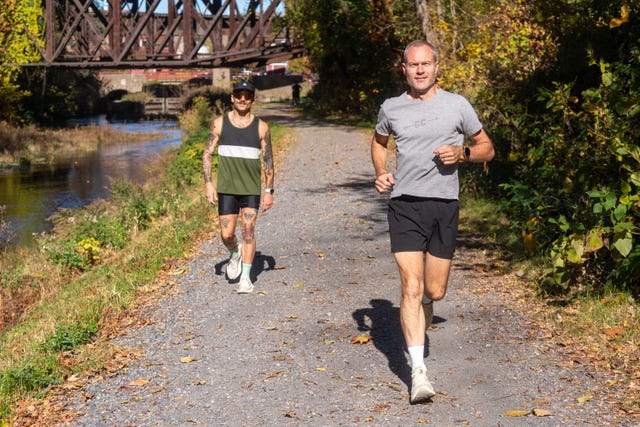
{"points": [[244, 153]]}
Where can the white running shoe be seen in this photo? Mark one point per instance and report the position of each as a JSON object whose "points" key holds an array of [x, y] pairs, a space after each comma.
{"points": [[421, 388], [245, 287], [234, 266]]}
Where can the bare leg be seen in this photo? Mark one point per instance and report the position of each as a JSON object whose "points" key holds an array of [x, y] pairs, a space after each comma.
{"points": [[436, 277], [228, 230], [249, 217], [411, 266]]}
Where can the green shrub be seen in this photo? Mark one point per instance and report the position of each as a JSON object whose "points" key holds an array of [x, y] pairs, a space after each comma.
{"points": [[69, 337]]}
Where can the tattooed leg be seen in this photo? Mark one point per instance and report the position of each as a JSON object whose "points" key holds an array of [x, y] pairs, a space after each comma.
{"points": [[227, 231], [249, 217]]}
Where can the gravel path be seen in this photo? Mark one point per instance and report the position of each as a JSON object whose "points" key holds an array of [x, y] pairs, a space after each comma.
{"points": [[324, 275]]}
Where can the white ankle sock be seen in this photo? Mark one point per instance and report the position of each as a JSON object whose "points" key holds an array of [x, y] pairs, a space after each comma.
{"points": [[416, 352]]}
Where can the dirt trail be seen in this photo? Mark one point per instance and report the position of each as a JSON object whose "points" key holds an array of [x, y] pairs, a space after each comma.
{"points": [[324, 275]]}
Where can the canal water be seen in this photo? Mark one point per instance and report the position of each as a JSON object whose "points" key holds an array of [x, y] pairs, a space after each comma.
{"points": [[31, 195]]}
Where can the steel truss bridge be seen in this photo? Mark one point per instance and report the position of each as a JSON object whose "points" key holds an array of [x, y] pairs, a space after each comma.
{"points": [[136, 34]]}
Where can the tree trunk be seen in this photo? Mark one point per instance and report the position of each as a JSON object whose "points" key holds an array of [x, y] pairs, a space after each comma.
{"points": [[422, 9]]}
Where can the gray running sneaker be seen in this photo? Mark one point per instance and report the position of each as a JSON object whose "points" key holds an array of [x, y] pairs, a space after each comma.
{"points": [[428, 314], [245, 287], [421, 388], [234, 266]]}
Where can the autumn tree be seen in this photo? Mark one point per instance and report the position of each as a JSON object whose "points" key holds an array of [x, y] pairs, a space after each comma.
{"points": [[20, 33], [353, 47]]}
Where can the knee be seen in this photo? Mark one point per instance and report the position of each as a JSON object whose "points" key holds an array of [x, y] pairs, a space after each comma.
{"points": [[437, 295], [248, 233], [411, 289], [227, 237]]}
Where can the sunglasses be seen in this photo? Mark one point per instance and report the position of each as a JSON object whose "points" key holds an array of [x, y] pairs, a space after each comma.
{"points": [[243, 94]]}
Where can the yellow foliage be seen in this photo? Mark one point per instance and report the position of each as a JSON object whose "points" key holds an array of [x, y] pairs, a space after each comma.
{"points": [[624, 17]]}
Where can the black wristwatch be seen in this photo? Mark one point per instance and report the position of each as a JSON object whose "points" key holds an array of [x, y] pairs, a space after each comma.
{"points": [[466, 153], [269, 190]]}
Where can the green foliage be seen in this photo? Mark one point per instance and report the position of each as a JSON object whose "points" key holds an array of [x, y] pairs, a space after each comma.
{"points": [[349, 44], [198, 117], [27, 378], [578, 185], [187, 167], [69, 337]]}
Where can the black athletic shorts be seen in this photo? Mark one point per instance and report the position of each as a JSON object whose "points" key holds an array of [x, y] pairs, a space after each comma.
{"points": [[423, 224], [230, 204]]}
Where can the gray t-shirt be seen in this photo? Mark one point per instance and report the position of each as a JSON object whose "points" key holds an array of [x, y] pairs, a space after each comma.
{"points": [[418, 128]]}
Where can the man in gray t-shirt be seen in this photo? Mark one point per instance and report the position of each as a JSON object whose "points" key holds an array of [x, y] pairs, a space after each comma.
{"points": [[429, 126]]}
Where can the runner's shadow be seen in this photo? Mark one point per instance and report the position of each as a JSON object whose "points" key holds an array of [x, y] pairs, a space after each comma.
{"points": [[260, 263], [386, 333]]}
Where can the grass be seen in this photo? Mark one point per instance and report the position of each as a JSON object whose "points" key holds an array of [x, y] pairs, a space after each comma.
{"points": [[60, 299], [30, 145]]}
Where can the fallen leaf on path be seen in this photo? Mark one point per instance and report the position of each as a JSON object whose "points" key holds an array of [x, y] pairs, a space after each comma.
{"points": [[583, 399], [380, 407], [188, 359], [541, 412], [178, 272], [279, 267], [361, 339], [271, 328], [516, 413], [140, 382], [292, 316], [274, 374], [291, 414], [321, 369]]}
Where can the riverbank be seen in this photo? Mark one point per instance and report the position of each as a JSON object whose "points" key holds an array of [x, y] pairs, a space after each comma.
{"points": [[31, 145]]}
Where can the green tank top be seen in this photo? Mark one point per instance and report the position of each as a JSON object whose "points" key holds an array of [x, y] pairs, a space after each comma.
{"points": [[239, 158]]}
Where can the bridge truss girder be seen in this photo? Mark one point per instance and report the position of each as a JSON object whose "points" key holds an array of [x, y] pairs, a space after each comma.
{"points": [[188, 34]]}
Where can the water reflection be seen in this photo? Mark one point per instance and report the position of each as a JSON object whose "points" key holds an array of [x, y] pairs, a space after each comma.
{"points": [[32, 194]]}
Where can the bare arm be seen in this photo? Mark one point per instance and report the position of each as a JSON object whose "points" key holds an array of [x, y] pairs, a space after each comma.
{"points": [[482, 148], [480, 151], [384, 180], [207, 156], [268, 167]]}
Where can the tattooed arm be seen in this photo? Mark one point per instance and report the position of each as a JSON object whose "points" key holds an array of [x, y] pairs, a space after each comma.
{"points": [[207, 157], [268, 168]]}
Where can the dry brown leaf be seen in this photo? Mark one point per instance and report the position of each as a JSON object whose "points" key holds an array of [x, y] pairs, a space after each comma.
{"points": [[188, 359], [274, 374], [140, 382], [516, 413], [291, 414], [177, 272], [279, 267], [361, 339], [541, 412], [615, 331], [380, 407], [271, 328]]}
